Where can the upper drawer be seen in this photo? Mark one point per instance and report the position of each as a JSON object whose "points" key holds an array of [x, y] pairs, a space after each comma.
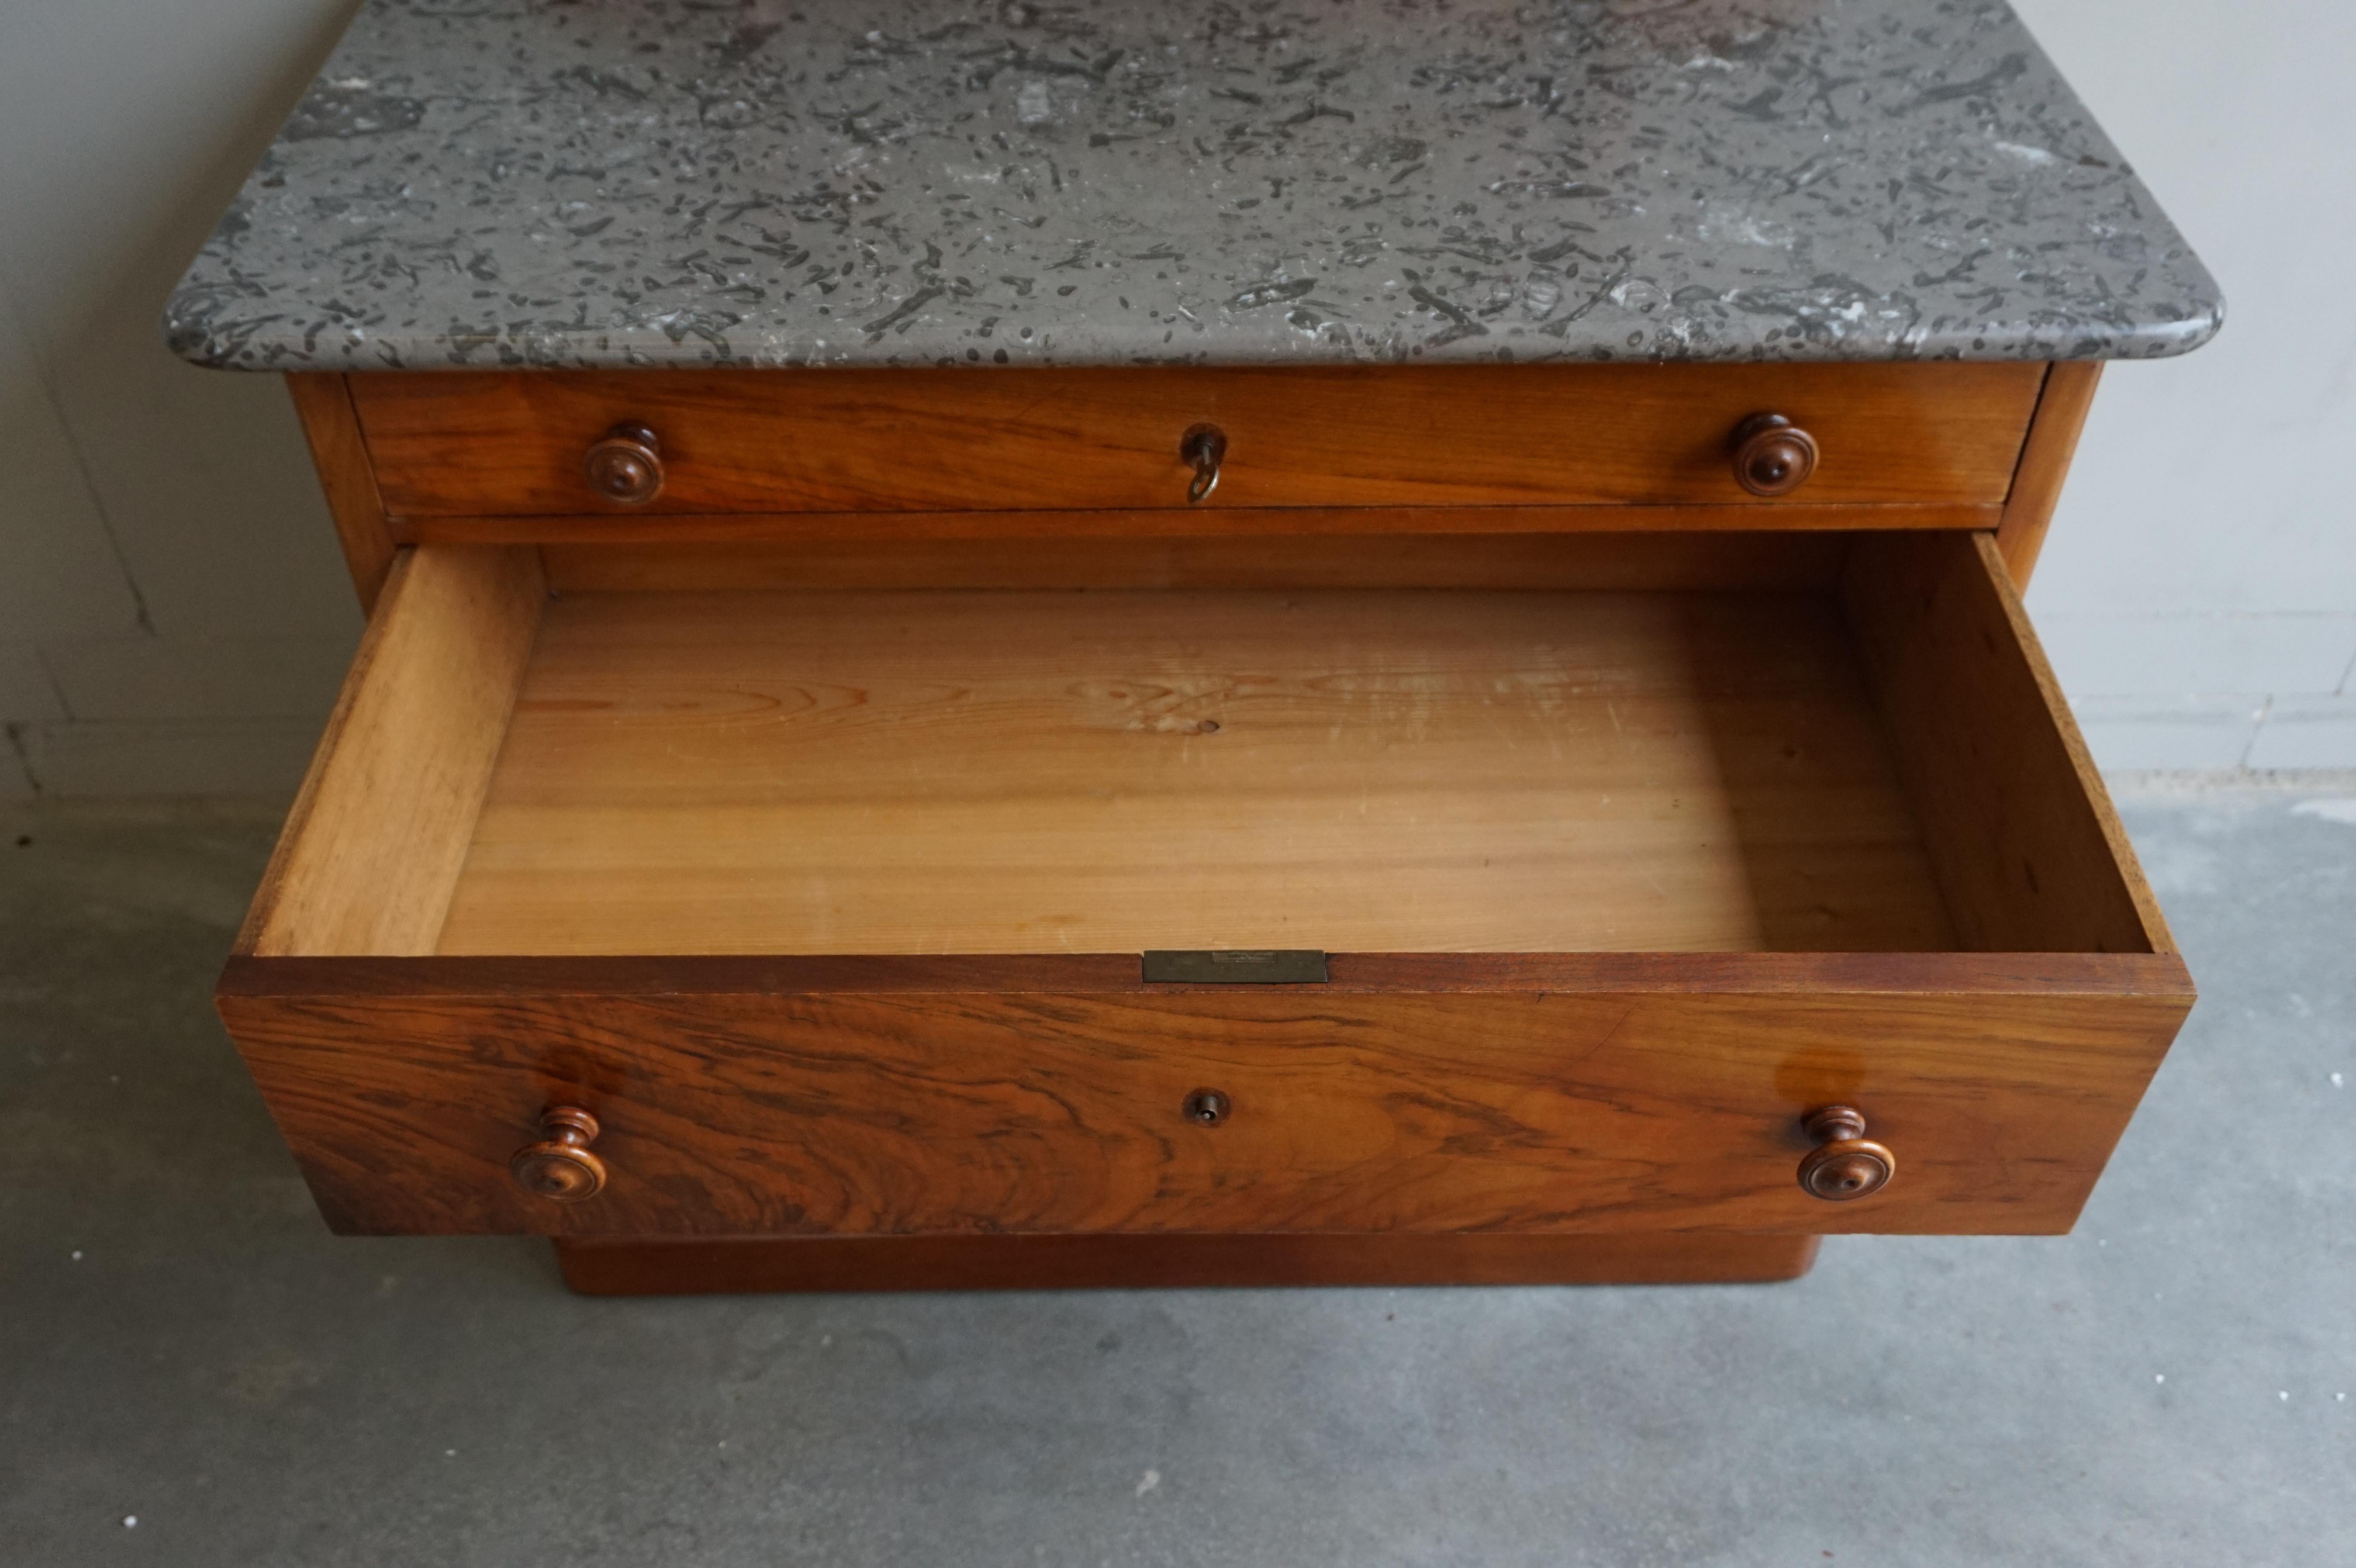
{"points": [[465, 443]]}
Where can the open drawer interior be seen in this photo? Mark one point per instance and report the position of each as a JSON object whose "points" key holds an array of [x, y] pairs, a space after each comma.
{"points": [[1717, 744]]}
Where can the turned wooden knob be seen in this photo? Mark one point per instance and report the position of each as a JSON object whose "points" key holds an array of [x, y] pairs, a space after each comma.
{"points": [[626, 466], [1845, 1164], [1772, 456], [559, 1167]]}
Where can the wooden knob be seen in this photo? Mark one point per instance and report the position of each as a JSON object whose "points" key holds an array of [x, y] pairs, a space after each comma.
{"points": [[559, 1167], [1845, 1164], [1772, 456], [626, 466]]}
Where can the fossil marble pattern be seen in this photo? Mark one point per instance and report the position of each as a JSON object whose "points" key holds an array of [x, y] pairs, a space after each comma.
{"points": [[917, 182]]}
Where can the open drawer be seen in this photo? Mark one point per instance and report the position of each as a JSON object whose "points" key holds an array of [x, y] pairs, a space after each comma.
{"points": [[823, 893]]}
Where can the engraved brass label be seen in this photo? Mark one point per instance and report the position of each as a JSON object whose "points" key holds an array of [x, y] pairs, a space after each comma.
{"points": [[1302, 966]]}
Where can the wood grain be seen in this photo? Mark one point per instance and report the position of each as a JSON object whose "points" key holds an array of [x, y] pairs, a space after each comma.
{"points": [[1540, 1094], [1172, 1262], [323, 400], [965, 772], [374, 843], [2026, 846], [2045, 457], [1757, 560], [471, 443], [1328, 525]]}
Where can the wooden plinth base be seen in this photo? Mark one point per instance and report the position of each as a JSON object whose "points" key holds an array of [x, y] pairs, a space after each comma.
{"points": [[1094, 1262]]}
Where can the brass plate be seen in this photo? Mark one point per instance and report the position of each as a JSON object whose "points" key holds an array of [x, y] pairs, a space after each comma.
{"points": [[1290, 966]]}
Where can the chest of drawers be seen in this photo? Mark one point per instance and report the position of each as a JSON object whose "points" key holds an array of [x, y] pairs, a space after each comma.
{"points": [[1584, 805], [654, 892]]}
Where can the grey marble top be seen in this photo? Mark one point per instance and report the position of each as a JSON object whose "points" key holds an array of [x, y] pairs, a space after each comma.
{"points": [[913, 182]]}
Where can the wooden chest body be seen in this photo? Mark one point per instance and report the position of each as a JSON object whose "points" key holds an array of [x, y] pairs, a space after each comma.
{"points": [[803, 824]]}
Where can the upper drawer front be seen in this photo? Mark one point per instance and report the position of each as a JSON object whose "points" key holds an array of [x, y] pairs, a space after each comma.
{"points": [[462, 443]]}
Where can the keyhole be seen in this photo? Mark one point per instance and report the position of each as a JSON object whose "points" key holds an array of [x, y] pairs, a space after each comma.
{"points": [[1206, 1107]]}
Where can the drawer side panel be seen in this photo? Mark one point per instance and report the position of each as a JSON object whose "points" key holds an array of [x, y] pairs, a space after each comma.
{"points": [[373, 845], [2030, 852]]}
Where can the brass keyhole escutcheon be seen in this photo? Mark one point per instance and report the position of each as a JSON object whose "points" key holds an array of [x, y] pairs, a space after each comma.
{"points": [[1208, 1107], [1203, 447]]}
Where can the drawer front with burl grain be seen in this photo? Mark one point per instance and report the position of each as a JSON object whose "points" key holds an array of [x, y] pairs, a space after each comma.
{"points": [[848, 1097]]}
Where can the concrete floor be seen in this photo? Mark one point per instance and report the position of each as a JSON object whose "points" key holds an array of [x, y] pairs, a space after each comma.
{"points": [[181, 1341]]}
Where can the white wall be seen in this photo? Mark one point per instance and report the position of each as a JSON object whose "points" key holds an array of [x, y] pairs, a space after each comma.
{"points": [[2199, 591], [174, 618]]}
